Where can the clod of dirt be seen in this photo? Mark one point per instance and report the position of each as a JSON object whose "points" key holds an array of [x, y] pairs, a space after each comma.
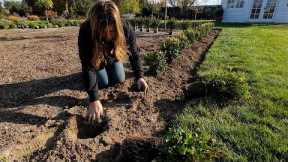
{"points": [[87, 130]]}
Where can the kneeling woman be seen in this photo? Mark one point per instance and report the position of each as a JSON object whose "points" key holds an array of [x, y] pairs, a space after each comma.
{"points": [[104, 42]]}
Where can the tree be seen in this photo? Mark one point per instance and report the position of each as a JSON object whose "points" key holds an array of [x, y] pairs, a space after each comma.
{"points": [[151, 7], [80, 7], [182, 3], [18, 7], [129, 6], [46, 4], [185, 4], [156, 5]]}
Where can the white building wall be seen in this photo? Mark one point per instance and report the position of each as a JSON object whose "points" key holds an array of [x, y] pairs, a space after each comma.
{"points": [[242, 15], [236, 14], [281, 15]]}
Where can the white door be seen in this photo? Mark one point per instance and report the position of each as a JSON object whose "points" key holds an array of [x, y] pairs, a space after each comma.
{"points": [[263, 10]]}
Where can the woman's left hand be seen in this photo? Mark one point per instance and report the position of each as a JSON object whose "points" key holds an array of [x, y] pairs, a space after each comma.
{"points": [[142, 85]]}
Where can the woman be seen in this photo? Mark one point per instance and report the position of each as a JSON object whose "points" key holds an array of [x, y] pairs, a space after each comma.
{"points": [[104, 42]]}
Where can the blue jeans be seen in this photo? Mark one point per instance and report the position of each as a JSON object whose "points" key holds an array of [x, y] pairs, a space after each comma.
{"points": [[110, 75]]}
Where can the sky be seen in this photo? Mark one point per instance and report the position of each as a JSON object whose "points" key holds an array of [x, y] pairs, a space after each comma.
{"points": [[209, 2]]}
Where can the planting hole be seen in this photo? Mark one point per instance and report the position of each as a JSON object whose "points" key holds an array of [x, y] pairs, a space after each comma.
{"points": [[87, 130]]}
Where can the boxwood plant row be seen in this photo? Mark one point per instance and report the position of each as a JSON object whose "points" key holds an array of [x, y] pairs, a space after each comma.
{"points": [[171, 48], [140, 22], [21, 24]]}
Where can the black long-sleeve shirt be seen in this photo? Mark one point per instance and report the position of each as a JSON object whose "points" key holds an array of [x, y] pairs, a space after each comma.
{"points": [[85, 45]]}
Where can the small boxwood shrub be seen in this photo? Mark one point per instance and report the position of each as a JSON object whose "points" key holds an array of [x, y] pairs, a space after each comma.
{"points": [[184, 25], [184, 145], [225, 85], [33, 25], [5, 24], [71, 22], [58, 22], [147, 24], [38, 24], [155, 24], [191, 35], [140, 22], [183, 40], [205, 28], [156, 62], [22, 24], [171, 25], [49, 25], [171, 48]]}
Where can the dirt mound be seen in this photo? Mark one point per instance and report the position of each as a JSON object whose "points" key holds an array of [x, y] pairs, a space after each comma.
{"points": [[44, 117]]}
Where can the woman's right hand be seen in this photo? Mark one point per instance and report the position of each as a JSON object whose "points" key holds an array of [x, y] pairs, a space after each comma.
{"points": [[94, 112]]}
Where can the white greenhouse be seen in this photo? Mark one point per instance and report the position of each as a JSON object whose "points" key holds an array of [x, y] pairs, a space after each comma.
{"points": [[258, 11]]}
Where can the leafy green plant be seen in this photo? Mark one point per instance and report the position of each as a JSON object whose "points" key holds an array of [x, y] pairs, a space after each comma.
{"points": [[5, 24], [171, 48], [183, 40], [156, 62], [49, 25], [58, 22], [171, 25], [147, 24], [3, 159], [22, 24], [140, 22], [183, 145], [184, 25], [37, 24], [205, 28], [191, 35], [226, 85], [155, 24]]}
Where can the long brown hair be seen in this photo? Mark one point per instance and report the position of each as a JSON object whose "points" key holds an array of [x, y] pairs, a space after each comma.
{"points": [[102, 14]]}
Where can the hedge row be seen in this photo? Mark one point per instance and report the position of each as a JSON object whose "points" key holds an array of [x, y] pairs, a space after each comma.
{"points": [[153, 22], [171, 48], [21, 24]]}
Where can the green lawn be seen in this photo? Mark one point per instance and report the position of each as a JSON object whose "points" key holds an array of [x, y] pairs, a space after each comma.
{"points": [[255, 129]]}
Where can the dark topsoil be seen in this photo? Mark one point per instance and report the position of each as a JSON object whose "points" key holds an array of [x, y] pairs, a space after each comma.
{"points": [[42, 101]]}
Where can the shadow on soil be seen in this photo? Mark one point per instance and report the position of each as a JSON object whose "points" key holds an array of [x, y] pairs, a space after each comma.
{"points": [[131, 150], [32, 92]]}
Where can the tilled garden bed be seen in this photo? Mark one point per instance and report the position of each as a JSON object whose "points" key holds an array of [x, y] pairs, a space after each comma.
{"points": [[42, 101]]}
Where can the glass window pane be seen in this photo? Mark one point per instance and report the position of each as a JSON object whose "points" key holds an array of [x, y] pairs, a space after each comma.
{"points": [[269, 9], [256, 9]]}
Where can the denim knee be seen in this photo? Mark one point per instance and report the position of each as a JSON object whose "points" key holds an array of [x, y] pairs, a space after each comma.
{"points": [[102, 78]]}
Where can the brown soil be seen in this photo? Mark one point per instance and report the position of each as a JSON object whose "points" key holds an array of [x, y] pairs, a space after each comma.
{"points": [[42, 101]]}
